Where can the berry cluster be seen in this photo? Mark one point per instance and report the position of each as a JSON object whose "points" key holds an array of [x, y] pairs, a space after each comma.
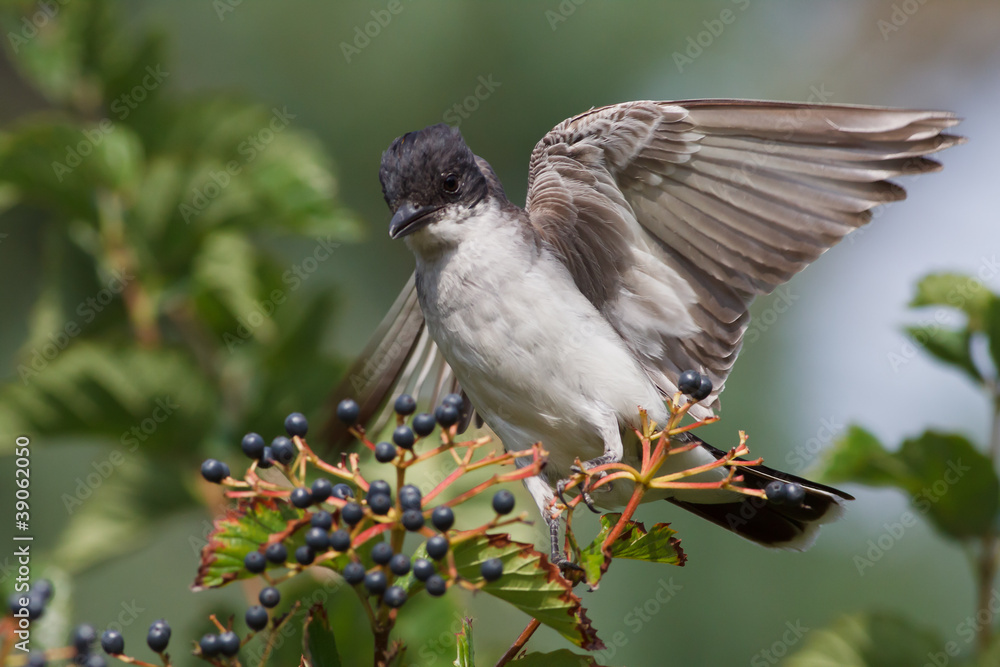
{"points": [[695, 385], [357, 526]]}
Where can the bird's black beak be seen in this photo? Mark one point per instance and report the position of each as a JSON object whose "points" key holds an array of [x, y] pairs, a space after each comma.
{"points": [[409, 218]]}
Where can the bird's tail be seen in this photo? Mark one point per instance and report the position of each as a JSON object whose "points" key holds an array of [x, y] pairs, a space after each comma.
{"points": [[764, 521]]}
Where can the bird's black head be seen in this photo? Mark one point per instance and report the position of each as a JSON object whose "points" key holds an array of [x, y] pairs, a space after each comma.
{"points": [[425, 173]]}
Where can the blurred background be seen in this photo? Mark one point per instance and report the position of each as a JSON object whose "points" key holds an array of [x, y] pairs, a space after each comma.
{"points": [[242, 302]]}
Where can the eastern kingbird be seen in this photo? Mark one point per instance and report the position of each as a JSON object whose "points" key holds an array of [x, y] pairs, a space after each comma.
{"points": [[648, 229]]}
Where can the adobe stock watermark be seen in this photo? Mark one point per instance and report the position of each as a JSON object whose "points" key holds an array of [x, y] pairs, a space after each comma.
{"points": [[704, 39], [462, 110], [898, 17], [103, 469], [248, 150], [922, 503], [639, 616], [33, 23], [122, 106], [293, 278], [87, 310], [806, 452], [562, 12], [776, 651], [364, 34], [966, 630]]}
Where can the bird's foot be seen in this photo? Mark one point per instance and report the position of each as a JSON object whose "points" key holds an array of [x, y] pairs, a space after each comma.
{"points": [[561, 493]]}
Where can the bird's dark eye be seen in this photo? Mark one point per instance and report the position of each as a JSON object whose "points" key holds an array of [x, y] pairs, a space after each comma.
{"points": [[450, 183]]}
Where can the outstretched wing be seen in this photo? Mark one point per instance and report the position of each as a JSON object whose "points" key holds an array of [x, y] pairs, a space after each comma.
{"points": [[672, 216], [400, 358]]}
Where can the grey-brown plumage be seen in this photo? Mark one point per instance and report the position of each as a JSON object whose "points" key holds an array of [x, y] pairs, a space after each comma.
{"points": [[668, 218]]}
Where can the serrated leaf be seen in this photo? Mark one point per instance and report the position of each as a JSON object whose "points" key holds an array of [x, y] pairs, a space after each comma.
{"points": [[868, 639], [529, 582], [319, 646], [561, 658], [957, 291], [955, 484], [244, 529], [948, 345], [859, 457], [636, 543], [464, 645]]}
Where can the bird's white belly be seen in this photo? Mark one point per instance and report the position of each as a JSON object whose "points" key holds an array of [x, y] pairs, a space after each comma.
{"points": [[538, 361]]}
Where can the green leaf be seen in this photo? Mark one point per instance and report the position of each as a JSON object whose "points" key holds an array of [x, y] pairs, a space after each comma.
{"points": [[244, 529], [561, 658], [957, 291], [529, 582], [656, 546], [319, 647], [954, 483], [868, 639], [993, 332], [948, 345], [464, 644], [859, 457]]}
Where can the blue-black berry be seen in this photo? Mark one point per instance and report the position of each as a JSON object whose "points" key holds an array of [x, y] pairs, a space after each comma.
{"points": [[229, 643], [37, 659], [352, 513], [395, 597], [255, 562], [301, 497], [379, 487], [503, 501], [446, 415], [399, 564], [795, 495], [214, 471], [209, 645], [253, 445], [276, 553], [405, 405], [83, 636], [266, 459], [381, 553], [423, 424], [42, 589], [342, 491], [304, 555], [322, 489], [385, 452], [340, 540], [321, 519], [443, 517], [776, 492], [112, 642], [158, 636], [491, 569], [688, 381], [403, 437], [413, 520], [380, 504], [348, 411], [316, 539], [257, 618], [409, 497], [283, 450], [354, 573], [269, 597], [423, 569], [437, 547], [454, 400], [296, 425], [436, 585], [703, 390], [375, 582]]}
